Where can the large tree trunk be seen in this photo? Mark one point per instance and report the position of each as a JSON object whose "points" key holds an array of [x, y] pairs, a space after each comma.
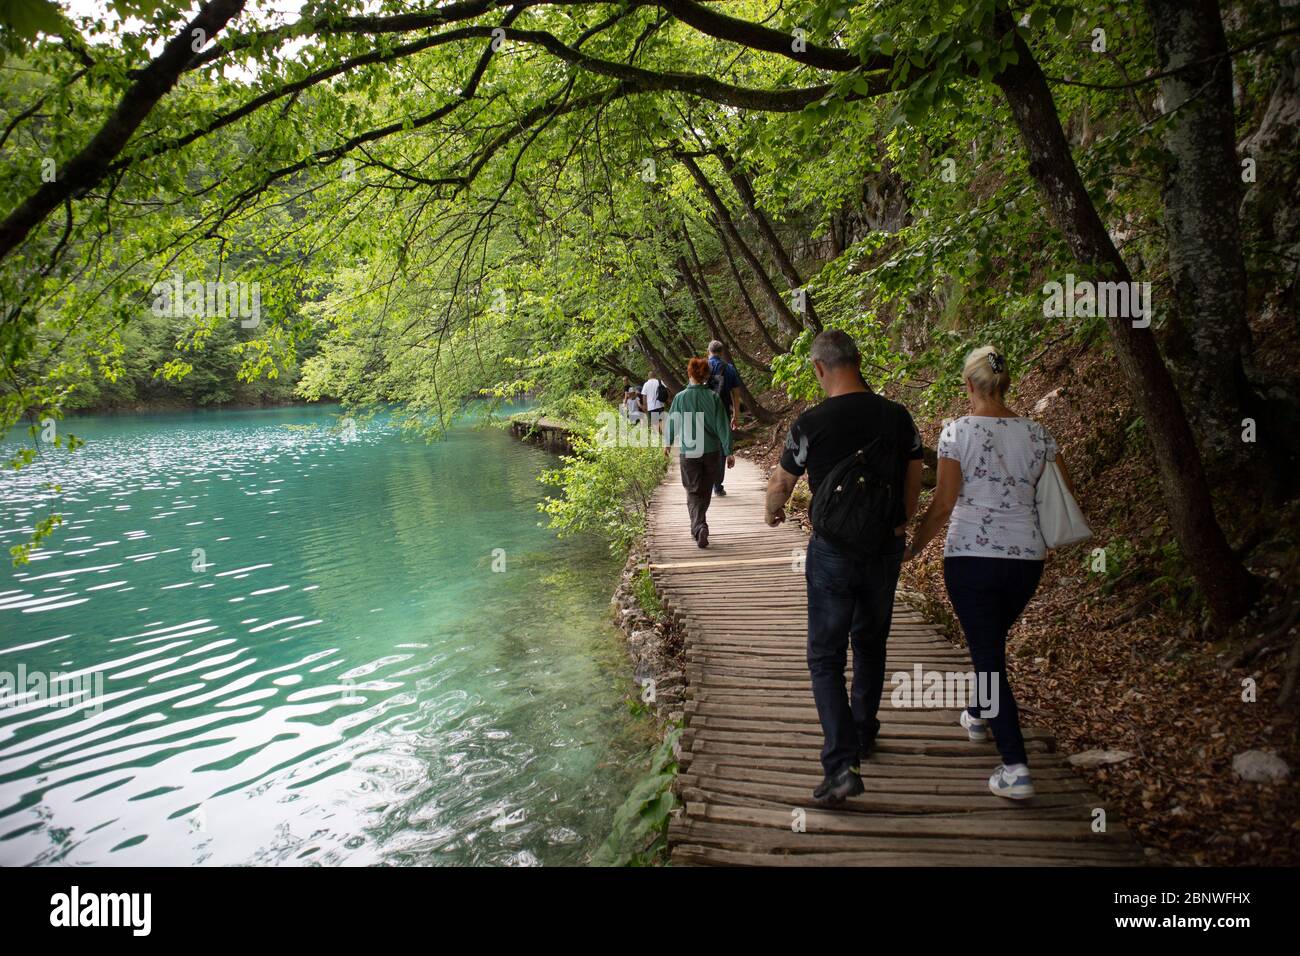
{"points": [[785, 316], [1224, 582], [1202, 194], [768, 234], [1269, 221]]}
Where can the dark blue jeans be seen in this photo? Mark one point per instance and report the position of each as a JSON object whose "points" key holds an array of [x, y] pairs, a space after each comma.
{"points": [[850, 599], [988, 595]]}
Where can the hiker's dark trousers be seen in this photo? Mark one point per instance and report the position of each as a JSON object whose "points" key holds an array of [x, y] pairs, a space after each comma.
{"points": [[850, 600], [987, 596], [697, 478]]}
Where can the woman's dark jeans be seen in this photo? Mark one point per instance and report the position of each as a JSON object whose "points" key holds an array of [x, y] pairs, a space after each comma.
{"points": [[850, 598], [988, 595]]}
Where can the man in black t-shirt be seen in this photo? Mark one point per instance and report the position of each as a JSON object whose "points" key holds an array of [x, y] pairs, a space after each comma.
{"points": [[850, 594]]}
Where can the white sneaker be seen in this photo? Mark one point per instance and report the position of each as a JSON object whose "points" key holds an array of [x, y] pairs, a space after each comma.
{"points": [[1012, 782], [976, 728]]}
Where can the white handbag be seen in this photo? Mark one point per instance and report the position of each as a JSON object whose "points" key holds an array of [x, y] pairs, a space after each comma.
{"points": [[1059, 517]]}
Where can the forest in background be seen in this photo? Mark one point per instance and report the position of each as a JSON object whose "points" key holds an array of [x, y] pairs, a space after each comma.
{"points": [[550, 198]]}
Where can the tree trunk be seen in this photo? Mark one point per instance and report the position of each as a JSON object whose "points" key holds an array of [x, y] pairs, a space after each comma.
{"points": [[788, 320], [718, 325], [1202, 195], [663, 371], [754, 315], [612, 363], [747, 399], [764, 226], [1224, 582], [676, 353]]}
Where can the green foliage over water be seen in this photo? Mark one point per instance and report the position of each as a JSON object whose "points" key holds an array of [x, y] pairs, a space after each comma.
{"points": [[604, 486]]}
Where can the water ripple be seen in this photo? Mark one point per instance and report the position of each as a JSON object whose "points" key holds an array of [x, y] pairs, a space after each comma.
{"points": [[280, 646]]}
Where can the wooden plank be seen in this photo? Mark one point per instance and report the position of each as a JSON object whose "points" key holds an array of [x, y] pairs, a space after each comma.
{"points": [[787, 841]]}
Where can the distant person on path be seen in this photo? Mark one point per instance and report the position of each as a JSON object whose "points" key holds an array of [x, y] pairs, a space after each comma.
{"points": [[989, 465], [632, 404], [654, 395], [862, 455], [723, 380], [698, 422]]}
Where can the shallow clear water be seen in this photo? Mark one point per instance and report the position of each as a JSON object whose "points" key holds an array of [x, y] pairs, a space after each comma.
{"points": [[357, 675]]}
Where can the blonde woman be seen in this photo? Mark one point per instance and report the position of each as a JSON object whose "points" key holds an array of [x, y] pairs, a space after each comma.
{"points": [[989, 465]]}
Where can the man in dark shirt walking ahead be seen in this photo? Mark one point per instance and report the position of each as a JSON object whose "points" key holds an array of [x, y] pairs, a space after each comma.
{"points": [[850, 590]]}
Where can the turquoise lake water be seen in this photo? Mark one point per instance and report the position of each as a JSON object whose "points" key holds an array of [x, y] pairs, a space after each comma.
{"points": [[314, 646]]}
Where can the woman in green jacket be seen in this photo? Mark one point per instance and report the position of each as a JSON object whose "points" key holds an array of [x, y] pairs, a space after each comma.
{"points": [[699, 423]]}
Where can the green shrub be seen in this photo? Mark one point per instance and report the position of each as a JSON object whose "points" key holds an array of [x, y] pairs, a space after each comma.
{"points": [[605, 485], [647, 598]]}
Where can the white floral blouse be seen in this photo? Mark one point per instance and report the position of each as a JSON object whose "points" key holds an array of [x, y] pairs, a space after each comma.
{"points": [[1001, 460]]}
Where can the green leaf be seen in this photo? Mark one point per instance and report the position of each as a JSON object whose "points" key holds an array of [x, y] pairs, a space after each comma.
{"points": [[27, 18]]}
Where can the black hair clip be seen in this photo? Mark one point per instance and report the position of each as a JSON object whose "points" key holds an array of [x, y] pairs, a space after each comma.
{"points": [[997, 363]]}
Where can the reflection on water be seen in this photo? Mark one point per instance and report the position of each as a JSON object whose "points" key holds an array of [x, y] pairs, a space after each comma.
{"points": [[313, 646]]}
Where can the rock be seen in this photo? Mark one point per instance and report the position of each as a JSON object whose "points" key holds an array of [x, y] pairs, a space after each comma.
{"points": [[1260, 766], [1048, 400], [643, 674], [1091, 759]]}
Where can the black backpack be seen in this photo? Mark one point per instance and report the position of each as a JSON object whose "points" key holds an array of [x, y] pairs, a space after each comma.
{"points": [[661, 394], [854, 505]]}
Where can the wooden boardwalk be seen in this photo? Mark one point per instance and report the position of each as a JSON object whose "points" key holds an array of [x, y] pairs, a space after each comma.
{"points": [[750, 750]]}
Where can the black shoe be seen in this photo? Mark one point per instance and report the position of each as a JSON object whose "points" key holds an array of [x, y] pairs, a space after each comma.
{"points": [[865, 748], [720, 491], [834, 790], [702, 539]]}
